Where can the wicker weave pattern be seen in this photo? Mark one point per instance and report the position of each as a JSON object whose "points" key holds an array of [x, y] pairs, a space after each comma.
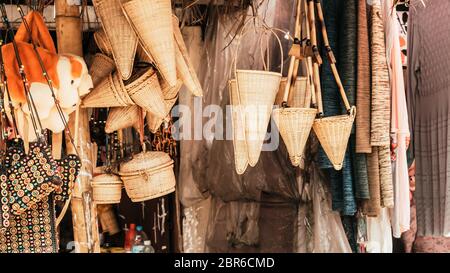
{"points": [[237, 123], [107, 189], [101, 67], [300, 98], [120, 35], [146, 92], [295, 126], [257, 91], [148, 175], [157, 38], [121, 118], [109, 93], [185, 68], [102, 42], [333, 134]]}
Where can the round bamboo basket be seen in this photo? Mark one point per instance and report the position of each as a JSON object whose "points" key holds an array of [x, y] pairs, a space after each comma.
{"points": [[101, 67], [333, 134], [107, 189], [146, 92], [148, 175], [157, 40], [295, 126], [110, 92]]}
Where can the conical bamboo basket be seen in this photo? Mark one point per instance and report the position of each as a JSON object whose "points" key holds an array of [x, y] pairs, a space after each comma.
{"points": [[157, 39], [257, 91], [237, 123], [110, 92], [153, 122], [170, 92], [102, 42], [295, 126], [333, 134], [121, 118], [100, 68], [120, 35], [146, 92], [185, 68]]}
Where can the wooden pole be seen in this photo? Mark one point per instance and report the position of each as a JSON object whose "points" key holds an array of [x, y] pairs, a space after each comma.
{"points": [[84, 212]]}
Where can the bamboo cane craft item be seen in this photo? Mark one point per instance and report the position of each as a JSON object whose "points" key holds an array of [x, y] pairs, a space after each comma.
{"points": [[102, 42], [333, 132], [121, 118], [119, 34], [107, 189], [148, 175], [256, 94], [157, 40], [100, 68], [146, 92], [110, 92]]}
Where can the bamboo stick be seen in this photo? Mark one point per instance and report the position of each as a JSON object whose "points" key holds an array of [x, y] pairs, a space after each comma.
{"points": [[84, 212]]}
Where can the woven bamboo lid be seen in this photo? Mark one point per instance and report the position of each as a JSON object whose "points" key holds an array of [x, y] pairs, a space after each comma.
{"points": [[106, 179], [146, 161]]}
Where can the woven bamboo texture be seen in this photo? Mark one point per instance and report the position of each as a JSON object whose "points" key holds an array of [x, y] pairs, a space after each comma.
{"points": [[185, 69], [158, 39], [121, 118], [237, 123], [100, 68], [120, 35], [110, 92], [333, 134], [295, 126], [102, 42], [257, 91], [299, 98], [146, 92], [107, 189]]}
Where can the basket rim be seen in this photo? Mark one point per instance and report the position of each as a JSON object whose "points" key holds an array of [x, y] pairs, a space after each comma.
{"points": [[295, 109], [127, 175], [163, 193], [261, 72]]}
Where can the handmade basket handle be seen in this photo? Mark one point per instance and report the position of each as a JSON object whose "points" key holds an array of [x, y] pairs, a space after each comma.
{"points": [[330, 55]]}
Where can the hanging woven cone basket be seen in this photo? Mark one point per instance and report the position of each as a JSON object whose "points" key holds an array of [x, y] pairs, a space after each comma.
{"points": [[170, 92], [110, 92], [143, 57], [119, 34], [256, 95], [239, 143], [333, 134], [146, 92], [101, 67], [121, 118], [156, 38], [102, 42], [185, 68], [295, 126]]}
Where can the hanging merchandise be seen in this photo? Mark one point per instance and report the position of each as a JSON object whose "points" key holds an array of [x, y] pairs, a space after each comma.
{"points": [[295, 123], [185, 68], [101, 67], [107, 189], [144, 89], [157, 41], [332, 132], [122, 117], [256, 92], [102, 42], [119, 35]]}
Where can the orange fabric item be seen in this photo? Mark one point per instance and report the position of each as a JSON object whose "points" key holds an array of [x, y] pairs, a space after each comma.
{"points": [[32, 68], [39, 32]]}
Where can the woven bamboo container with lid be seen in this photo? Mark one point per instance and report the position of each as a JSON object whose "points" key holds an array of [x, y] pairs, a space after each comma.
{"points": [[107, 189], [148, 175]]}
